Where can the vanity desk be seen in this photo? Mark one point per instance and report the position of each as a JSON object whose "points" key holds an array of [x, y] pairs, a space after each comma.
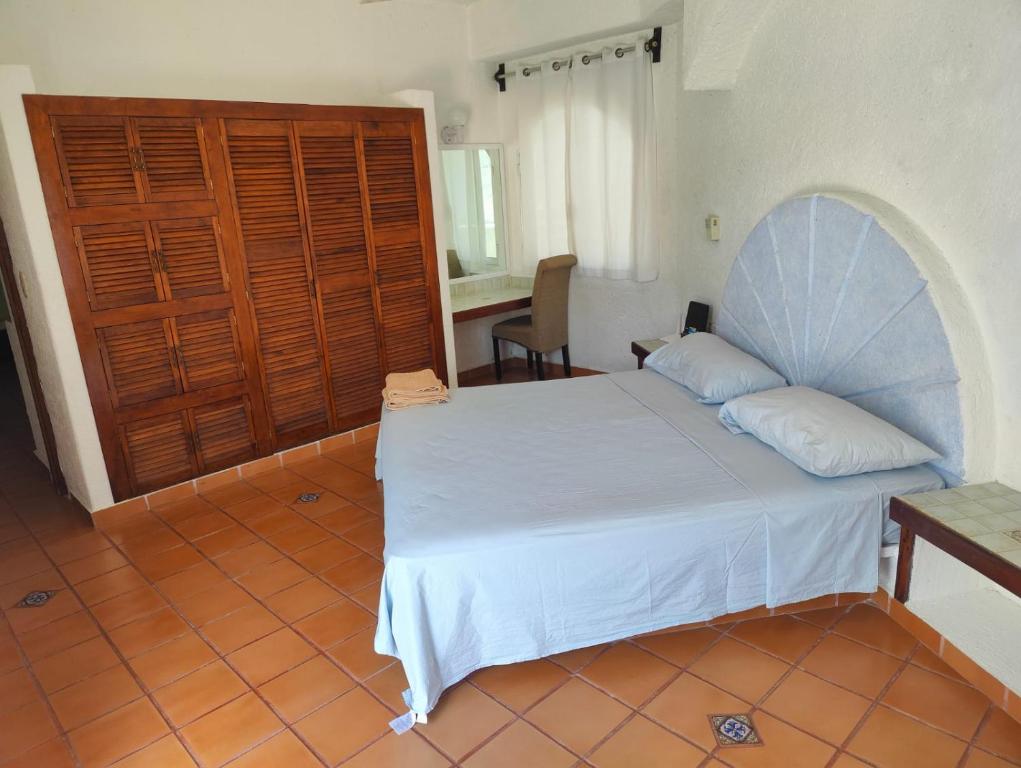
{"points": [[492, 301]]}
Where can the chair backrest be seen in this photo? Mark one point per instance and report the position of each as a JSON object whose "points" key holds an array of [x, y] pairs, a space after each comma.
{"points": [[549, 301], [454, 268]]}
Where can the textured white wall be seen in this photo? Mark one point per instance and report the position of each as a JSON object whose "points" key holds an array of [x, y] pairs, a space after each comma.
{"points": [[911, 108], [911, 103], [315, 51]]}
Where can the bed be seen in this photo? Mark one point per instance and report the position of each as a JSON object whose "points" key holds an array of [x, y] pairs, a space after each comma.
{"points": [[527, 520]]}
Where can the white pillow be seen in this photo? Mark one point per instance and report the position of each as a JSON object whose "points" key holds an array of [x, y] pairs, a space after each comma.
{"points": [[712, 369], [823, 434]]}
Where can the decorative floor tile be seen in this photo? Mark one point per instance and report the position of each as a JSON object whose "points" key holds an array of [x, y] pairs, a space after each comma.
{"points": [[36, 599], [734, 730]]}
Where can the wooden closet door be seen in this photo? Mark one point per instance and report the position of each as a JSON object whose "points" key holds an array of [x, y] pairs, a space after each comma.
{"points": [[395, 172], [111, 160], [97, 160], [138, 232], [265, 185], [343, 268], [241, 277]]}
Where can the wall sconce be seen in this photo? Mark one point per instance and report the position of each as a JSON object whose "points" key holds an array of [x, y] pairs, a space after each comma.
{"points": [[453, 132]]}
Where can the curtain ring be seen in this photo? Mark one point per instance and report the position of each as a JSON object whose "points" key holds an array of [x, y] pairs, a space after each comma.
{"points": [[526, 71], [586, 59], [619, 53], [556, 66]]}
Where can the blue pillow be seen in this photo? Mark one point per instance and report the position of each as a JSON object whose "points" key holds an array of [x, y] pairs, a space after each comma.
{"points": [[713, 369], [823, 434]]}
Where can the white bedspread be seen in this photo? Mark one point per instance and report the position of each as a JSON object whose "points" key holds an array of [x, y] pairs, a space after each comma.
{"points": [[527, 520]]}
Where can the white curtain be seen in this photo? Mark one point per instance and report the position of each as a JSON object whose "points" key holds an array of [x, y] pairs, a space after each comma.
{"points": [[587, 144], [542, 147]]}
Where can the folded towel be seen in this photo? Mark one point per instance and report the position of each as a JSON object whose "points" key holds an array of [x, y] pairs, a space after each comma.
{"points": [[398, 402], [416, 381], [406, 390]]}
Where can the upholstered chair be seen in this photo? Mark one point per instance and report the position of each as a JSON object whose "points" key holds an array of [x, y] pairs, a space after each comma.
{"points": [[546, 328]]}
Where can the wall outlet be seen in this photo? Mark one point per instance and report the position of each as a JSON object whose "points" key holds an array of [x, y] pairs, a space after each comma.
{"points": [[712, 227]]}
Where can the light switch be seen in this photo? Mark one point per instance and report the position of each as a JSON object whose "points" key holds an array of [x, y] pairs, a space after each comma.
{"points": [[712, 227]]}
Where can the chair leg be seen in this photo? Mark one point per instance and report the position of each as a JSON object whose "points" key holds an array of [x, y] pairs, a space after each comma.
{"points": [[528, 359], [496, 359], [539, 370], [567, 361]]}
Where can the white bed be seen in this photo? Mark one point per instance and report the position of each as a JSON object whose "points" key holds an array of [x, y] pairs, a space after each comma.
{"points": [[525, 520]]}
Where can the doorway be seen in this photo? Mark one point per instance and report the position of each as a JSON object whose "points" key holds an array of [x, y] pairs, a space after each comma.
{"points": [[20, 438]]}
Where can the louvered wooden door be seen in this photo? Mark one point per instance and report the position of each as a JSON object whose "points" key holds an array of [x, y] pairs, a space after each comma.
{"points": [[241, 277], [331, 174], [265, 183], [109, 160], [394, 182], [151, 295]]}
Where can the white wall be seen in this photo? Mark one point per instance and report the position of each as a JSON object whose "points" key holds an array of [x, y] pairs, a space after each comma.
{"points": [[315, 51], [916, 104], [913, 103], [318, 51]]}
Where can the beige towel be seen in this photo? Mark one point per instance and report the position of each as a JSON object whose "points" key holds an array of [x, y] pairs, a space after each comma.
{"points": [[406, 390], [416, 381]]}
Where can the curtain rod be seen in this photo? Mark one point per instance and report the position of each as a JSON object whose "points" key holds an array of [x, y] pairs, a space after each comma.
{"points": [[653, 45]]}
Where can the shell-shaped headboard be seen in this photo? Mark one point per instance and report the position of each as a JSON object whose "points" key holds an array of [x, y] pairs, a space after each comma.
{"points": [[828, 298]]}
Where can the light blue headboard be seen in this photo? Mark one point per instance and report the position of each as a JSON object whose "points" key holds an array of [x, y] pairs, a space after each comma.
{"points": [[829, 299]]}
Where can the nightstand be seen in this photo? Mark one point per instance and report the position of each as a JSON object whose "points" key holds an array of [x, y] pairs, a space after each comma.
{"points": [[980, 525], [642, 349]]}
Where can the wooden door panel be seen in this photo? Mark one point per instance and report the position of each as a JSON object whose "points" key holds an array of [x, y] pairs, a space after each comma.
{"points": [[139, 362], [191, 256], [407, 335], [173, 159], [224, 435], [343, 272], [117, 264], [390, 168], [209, 353], [159, 452], [400, 271], [356, 375], [335, 206], [96, 162], [279, 277]]}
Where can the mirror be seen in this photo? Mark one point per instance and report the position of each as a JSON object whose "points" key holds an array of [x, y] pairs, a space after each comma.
{"points": [[473, 178]]}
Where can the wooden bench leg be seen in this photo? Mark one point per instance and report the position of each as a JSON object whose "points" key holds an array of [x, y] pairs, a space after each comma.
{"points": [[528, 359], [567, 361], [540, 372], [906, 553]]}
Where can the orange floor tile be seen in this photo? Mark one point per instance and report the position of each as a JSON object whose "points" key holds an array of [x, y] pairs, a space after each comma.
{"points": [[235, 628]]}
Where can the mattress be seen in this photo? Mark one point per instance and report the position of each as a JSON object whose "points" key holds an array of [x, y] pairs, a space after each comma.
{"points": [[531, 519]]}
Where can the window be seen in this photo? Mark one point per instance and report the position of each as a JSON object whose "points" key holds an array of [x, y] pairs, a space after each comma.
{"points": [[587, 145]]}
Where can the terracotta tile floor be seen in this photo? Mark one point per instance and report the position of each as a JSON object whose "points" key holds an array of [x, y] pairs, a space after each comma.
{"points": [[236, 629]]}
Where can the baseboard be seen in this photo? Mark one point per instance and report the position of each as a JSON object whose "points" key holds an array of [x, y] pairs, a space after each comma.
{"points": [[954, 657], [123, 509]]}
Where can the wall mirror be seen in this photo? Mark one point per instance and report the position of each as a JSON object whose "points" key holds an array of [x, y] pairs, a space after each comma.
{"points": [[476, 236]]}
